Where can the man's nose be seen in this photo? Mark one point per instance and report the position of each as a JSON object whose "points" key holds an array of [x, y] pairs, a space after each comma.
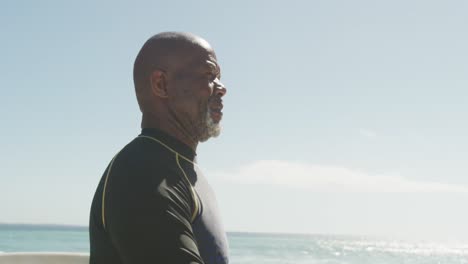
{"points": [[220, 89]]}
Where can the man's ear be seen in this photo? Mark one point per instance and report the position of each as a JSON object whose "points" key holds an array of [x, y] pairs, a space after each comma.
{"points": [[158, 81]]}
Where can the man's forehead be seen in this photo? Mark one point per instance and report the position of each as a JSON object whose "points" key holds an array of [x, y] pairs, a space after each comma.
{"points": [[207, 60], [194, 58], [203, 43]]}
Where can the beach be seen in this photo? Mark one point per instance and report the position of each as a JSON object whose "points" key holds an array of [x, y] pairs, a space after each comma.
{"points": [[261, 248]]}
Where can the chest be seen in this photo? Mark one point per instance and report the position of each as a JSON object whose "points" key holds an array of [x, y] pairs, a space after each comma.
{"points": [[208, 227]]}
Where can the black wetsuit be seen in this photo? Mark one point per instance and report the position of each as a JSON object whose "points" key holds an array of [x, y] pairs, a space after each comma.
{"points": [[151, 213]]}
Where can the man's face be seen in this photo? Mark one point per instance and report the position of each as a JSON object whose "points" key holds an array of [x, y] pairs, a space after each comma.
{"points": [[197, 95]]}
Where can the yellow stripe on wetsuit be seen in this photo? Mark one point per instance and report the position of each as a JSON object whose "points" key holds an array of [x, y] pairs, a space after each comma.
{"points": [[177, 154]]}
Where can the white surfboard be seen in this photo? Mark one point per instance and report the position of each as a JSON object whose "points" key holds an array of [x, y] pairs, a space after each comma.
{"points": [[44, 258]]}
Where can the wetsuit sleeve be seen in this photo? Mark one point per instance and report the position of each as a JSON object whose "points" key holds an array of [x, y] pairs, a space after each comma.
{"points": [[148, 215]]}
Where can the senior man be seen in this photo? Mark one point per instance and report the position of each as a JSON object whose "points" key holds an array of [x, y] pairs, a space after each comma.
{"points": [[153, 205]]}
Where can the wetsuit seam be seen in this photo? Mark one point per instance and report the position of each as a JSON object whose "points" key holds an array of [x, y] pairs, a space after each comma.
{"points": [[104, 191], [192, 189]]}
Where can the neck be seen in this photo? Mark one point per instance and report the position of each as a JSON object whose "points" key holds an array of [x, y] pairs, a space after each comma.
{"points": [[150, 120]]}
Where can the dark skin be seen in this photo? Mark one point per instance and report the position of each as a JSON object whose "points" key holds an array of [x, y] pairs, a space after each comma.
{"points": [[183, 86]]}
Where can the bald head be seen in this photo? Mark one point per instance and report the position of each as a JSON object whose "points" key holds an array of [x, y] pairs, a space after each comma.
{"points": [[167, 51], [178, 86]]}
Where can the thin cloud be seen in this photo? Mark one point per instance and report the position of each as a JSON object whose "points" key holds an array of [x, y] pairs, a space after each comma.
{"points": [[367, 133], [329, 179]]}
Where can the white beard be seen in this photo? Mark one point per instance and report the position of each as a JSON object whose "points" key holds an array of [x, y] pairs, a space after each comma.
{"points": [[210, 128]]}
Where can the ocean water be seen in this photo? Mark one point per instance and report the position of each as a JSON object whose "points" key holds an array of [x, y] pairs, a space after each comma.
{"points": [[260, 248]]}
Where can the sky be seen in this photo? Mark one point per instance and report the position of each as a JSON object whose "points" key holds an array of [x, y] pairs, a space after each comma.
{"points": [[341, 117]]}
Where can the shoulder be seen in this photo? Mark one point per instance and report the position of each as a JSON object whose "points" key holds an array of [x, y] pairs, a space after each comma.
{"points": [[141, 150], [142, 162], [144, 171]]}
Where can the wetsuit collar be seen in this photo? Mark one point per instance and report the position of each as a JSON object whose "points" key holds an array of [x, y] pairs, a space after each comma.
{"points": [[171, 141]]}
